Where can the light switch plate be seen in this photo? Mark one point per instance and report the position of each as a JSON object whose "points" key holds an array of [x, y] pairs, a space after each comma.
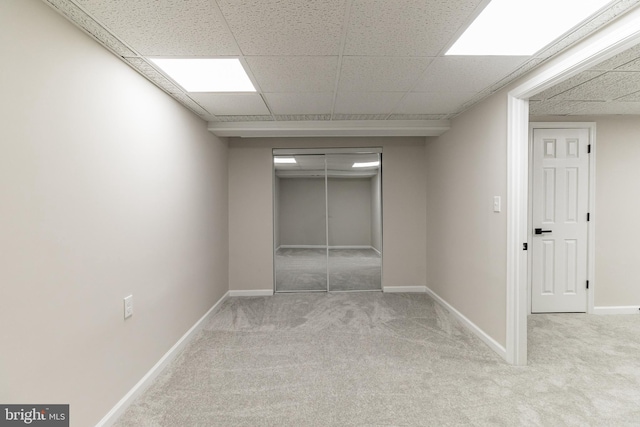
{"points": [[497, 204], [128, 306]]}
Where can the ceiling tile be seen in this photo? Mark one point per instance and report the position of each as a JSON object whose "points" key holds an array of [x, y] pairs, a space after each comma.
{"points": [[467, 74], [570, 83], [433, 102], [166, 28], [630, 66], [551, 107], [405, 27], [300, 103], [614, 107], [380, 74], [632, 97], [619, 59], [231, 104], [286, 27], [606, 87], [294, 73], [366, 102]]}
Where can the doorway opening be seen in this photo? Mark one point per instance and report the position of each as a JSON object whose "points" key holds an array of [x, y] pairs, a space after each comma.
{"points": [[614, 39], [327, 220], [561, 201]]}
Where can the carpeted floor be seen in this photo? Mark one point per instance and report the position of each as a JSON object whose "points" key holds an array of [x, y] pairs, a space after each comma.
{"points": [[306, 270], [365, 359]]}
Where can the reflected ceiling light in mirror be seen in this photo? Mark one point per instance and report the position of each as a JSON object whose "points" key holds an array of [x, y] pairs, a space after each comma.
{"points": [[366, 164], [522, 27], [284, 160], [207, 75]]}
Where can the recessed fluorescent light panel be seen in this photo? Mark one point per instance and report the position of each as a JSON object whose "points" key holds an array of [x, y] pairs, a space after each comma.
{"points": [[366, 164], [522, 27], [207, 75], [284, 160]]}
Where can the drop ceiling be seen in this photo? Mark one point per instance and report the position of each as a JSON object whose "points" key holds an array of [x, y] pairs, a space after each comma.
{"points": [[339, 65], [611, 87]]}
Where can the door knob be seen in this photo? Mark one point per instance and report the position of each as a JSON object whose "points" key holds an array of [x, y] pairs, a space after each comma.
{"points": [[540, 231]]}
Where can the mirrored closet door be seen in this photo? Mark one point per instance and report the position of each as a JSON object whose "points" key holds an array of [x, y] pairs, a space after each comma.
{"points": [[300, 230], [327, 221], [355, 222]]}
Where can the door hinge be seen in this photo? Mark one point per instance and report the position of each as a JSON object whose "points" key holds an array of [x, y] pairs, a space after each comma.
{"points": [[588, 216], [587, 284], [589, 149], [525, 246]]}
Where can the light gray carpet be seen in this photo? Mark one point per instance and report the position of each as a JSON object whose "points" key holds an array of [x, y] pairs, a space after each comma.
{"points": [[364, 359], [349, 270], [354, 270], [301, 269]]}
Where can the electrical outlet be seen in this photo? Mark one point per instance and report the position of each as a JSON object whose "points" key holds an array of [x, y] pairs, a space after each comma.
{"points": [[128, 306]]}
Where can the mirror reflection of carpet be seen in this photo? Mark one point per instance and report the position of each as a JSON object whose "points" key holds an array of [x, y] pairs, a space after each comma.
{"points": [[349, 269]]}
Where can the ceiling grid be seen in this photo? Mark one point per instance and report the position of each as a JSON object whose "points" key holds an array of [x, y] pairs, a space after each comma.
{"points": [[343, 60], [343, 42]]}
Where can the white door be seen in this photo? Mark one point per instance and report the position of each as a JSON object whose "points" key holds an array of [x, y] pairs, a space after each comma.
{"points": [[560, 206]]}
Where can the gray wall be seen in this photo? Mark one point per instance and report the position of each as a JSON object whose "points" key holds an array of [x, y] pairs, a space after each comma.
{"points": [[617, 207], [349, 211], [108, 187], [251, 239], [302, 207], [466, 241], [251, 211]]}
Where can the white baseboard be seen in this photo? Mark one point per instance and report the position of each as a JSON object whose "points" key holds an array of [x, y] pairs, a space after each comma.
{"points": [[624, 309], [324, 247], [493, 344], [302, 247], [405, 289], [148, 378], [254, 293], [378, 252]]}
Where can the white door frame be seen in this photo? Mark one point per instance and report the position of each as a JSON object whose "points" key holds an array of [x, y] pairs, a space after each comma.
{"points": [[613, 39], [591, 225]]}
